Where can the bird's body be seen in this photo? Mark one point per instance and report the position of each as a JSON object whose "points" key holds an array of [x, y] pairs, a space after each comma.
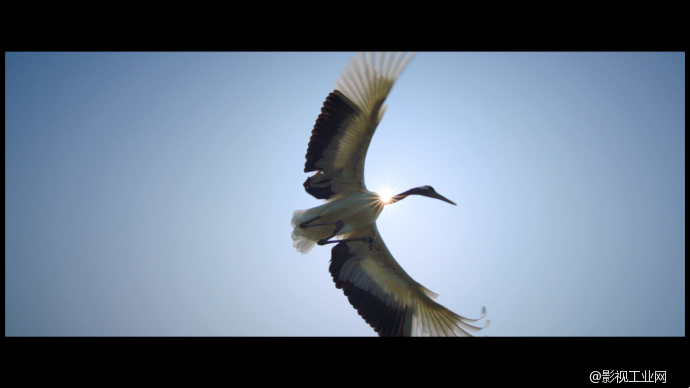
{"points": [[357, 210], [361, 264]]}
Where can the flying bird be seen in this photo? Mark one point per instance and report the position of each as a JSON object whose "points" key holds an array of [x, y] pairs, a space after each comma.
{"points": [[361, 265]]}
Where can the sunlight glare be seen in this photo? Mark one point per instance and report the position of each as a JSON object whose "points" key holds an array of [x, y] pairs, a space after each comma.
{"points": [[386, 195]]}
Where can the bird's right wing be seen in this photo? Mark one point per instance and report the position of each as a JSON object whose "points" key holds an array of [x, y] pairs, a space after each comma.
{"points": [[342, 133], [386, 296]]}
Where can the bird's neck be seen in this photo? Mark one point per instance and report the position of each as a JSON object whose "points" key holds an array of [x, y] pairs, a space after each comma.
{"points": [[397, 198]]}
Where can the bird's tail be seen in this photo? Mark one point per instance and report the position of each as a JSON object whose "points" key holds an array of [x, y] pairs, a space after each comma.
{"points": [[304, 239]]}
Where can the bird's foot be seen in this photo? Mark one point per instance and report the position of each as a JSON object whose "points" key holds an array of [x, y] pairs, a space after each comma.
{"points": [[305, 223], [338, 226], [370, 240]]}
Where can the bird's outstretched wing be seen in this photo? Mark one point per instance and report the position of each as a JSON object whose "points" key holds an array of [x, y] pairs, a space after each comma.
{"points": [[386, 296], [342, 133]]}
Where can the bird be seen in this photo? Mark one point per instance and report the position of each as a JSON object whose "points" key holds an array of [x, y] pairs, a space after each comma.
{"points": [[383, 294]]}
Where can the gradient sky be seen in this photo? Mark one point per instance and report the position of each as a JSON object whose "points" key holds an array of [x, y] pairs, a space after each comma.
{"points": [[151, 193]]}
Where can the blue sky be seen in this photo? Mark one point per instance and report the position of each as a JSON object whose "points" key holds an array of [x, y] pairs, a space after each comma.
{"points": [[151, 193]]}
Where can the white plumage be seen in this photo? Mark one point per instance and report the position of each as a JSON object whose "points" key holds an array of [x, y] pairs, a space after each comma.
{"points": [[375, 284]]}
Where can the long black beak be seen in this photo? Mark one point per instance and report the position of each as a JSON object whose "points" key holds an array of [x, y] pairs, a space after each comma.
{"points": [[426, 191], [439, 196]]}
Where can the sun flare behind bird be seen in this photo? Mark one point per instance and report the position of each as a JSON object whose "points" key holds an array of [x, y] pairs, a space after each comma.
{"points": [[376, 285]]}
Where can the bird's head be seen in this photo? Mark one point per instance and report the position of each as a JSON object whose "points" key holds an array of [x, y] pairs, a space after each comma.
{"points": [[426, 191]]}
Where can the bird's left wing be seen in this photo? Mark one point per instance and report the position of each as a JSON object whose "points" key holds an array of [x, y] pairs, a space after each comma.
{"points": [[386, 296], [342, 133]]}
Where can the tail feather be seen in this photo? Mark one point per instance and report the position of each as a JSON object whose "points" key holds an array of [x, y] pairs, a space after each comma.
{"points": [[304, 239]]}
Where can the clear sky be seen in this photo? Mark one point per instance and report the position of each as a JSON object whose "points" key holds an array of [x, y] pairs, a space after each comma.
{"points": [[151, 193]]}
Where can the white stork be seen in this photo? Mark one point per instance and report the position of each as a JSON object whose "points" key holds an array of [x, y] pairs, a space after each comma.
{"points": [[382, 292]]}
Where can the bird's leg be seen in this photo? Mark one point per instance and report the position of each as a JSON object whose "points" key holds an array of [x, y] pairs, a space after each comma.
{"points": [[369, 239], [338, 226], [304, 224]]}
